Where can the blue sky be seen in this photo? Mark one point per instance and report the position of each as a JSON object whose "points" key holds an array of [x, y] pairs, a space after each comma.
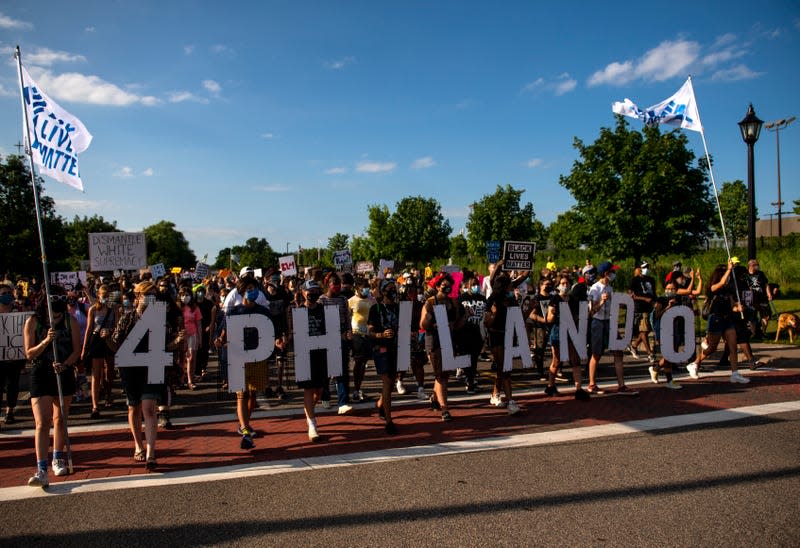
{"points": [[285, 120]]}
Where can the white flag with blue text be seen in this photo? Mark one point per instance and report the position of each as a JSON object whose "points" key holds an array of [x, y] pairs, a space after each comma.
{"points": [[680, 110], [57, 137]]}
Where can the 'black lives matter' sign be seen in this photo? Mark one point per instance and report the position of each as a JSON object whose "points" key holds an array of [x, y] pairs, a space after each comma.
{"points": [[518, 255]]}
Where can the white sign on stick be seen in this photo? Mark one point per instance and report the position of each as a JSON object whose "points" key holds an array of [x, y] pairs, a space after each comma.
{"points": [[288, 265], [117, 250]]}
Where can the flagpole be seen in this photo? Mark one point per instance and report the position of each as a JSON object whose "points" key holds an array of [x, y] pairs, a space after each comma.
{"points": [[716, 198], [45, 272]]}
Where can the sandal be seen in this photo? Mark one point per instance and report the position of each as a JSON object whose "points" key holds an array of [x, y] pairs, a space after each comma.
{"points": [[151, 463], [138, 456]]}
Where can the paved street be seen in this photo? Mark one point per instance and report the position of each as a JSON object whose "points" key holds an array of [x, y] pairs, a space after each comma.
{"points": [[714, 463]]}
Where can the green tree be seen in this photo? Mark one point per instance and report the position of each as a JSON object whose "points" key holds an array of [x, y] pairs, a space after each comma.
{"points": [[77, 236], [223, 259], [459, 249], [19, 245], [566, 232], [637, 193], [796, 204], [167, 245], [499, 216], [418, 230], [377, 242], [733, 203], [338, 241]]}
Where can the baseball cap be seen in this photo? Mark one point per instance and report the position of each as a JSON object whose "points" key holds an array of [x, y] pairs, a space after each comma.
{"points": [[246, 270], [310, 285], [605, 267], [735, 260], [644, 265]]}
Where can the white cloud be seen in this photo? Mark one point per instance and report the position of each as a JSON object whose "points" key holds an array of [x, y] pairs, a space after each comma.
{"points": [[272, 188], [734, 74], [221, 48], [184, 96], [423, 163], [125, 172], [89, 29], [74, 207], [80, 88], [558, 86], [148, 172], [663, 62], [375, 167], [534, 162], [339, 64], [465, 104], [188, 50], [212, 86], [45, 57], [336, 171], [7, 22], [268, 136]]}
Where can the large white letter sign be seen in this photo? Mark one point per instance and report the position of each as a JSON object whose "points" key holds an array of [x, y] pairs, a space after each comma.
{"points": [[515, 325], [156, 358], [567, 330], [305, 343], [668, 349], [450, 362], [404, 336], [615, 342], [237, 354]]}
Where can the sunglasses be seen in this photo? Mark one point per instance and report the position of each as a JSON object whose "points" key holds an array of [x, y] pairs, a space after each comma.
{"points": [[57, 298]]}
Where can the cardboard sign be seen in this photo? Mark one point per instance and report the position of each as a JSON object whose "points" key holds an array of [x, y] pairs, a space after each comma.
{"points": [[342, 258], [364, 267], [201, 271], [518, 255], [68, 280], [158, 270], [117, 250], [12, 326], [383, 265], [288, 265]]}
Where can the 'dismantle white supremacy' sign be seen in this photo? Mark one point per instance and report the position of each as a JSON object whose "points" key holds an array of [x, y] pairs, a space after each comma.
{"points": [[153, 322], [117, 251]]}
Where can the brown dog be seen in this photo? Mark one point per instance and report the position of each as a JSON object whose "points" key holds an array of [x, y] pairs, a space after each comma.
{"points": [[789, 322]]}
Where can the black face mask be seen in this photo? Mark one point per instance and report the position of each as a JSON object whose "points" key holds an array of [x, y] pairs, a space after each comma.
{"points": [[312, 297], [59, 307]]}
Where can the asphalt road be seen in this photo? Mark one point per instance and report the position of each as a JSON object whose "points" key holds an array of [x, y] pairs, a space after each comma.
{"points": [[727, 484]]}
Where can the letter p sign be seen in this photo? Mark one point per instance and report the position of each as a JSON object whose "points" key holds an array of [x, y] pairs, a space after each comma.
{"points": [[238, 355]]}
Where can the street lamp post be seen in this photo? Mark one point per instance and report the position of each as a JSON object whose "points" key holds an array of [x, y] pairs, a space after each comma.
{"points": [[750, 126], [776, 127]]}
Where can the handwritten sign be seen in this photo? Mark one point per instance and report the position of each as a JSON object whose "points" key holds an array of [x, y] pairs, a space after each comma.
{"points": [[68, 280], [288, 266], [518, 255], [201, 271], [158, 270], [342, 258], [117, 250], [12, 326], [364, 267]]}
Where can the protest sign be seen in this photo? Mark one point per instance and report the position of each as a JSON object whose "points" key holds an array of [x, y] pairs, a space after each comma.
{"points": [[112, 250], [342, 258], [288, 266], [518, 255], [201, 271], [364, 267], [68, 280], [11, 327], [493, 251], [383, 264], [158, 270]]}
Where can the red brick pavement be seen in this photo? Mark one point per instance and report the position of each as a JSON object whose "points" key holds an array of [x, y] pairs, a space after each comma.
{"points": [[109, 453]]}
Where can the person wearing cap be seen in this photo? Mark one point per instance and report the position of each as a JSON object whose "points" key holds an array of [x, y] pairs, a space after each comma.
{"points": [[382, 325], [643, 292], [255, 373], [312, 388], [142, 396], [600, 311], [332, 296]]}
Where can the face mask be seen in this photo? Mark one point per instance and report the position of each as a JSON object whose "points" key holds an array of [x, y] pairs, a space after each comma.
{"points": [[102, 300], [59, 307], [312, 297], [446, 289], [645, 271], [562, 289], [200, 295], [612, 276], [365, 292], [391, 295], [252, 295], [126, 303], [186, 299], [475, 289], [8, 298], [669, 294]]}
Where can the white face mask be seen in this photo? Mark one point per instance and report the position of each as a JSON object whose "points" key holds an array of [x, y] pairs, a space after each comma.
{"points": [[645, 271], [187, 299]]}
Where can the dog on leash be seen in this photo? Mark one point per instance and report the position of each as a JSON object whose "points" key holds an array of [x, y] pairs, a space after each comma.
{"points": [[789, 322]]}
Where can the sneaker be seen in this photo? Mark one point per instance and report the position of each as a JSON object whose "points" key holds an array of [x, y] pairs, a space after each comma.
{"points": [[513, 408], [269, 393], [279, 393], [633, 352], [9, 418], [672, 385], [313, 435], [421, 394], [39, 479], [345, 409], [594, 389], [390, 428], [60, 467], [459, 373], [738, 378], [627, 391], [692, 369], [582, 395], [163, 419], [651, 358], [326, 404], [560, 376], [401, 389], [244, 431], [434, 403], [653, 374], [471, 388], [446, 417], [247, 442], [496, 400], [355, 396], [549, 390], [95, 414], [753, 366]]}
